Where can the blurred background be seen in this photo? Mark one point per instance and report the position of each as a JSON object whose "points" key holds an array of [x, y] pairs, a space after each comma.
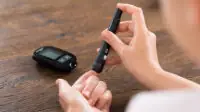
{"points": [[26, 24], [73, 25]]}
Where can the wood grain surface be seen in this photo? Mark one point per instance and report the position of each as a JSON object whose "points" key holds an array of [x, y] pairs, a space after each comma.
{"points": [[73, 25]]}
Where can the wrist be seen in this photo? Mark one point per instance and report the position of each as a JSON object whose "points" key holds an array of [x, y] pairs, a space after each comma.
{"points": [[149, 75]]}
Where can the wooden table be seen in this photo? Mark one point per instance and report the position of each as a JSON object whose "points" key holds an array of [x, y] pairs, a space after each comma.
{"points": [[73, 25]]}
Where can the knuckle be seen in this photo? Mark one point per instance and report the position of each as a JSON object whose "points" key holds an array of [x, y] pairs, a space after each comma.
{"points": [[103, 84], [152, 35], [104, 33], [93, 79], [130, 7], [139, 10], [108, 95]]}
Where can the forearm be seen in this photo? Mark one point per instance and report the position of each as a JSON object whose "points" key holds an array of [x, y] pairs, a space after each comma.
{"points": [[160, 79]]}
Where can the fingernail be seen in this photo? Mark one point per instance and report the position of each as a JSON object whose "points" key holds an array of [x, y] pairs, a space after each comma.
{"points": [[119, 4], [98, 49], [58, 81], [93, 72], [103, 33]]}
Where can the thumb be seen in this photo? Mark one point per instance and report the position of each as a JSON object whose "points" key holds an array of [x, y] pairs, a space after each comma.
{"points": [[113, 41], [64, 90]]}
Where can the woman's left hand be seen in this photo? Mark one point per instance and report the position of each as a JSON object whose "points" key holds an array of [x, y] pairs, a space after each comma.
{"points": [[87, 94]]}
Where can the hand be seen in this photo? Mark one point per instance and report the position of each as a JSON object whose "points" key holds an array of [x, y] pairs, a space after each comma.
{"points": [[88, 94], [138, 53]]}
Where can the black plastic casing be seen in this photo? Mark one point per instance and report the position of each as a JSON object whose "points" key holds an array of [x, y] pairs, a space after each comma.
{"points": [[66, 66], [104, 50]]}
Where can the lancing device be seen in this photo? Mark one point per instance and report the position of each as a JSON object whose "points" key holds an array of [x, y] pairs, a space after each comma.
{"points": [[104, 50]]}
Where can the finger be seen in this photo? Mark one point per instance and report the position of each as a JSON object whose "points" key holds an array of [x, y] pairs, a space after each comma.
{"points": [[80, 83], [137, 15], [125, 40], [98, 91], [90, 85], [98, 49], [105, 101], [85, 76], [125, 26], [109, 101], [64, 90], [114, 60], [71, 97], [113, 41], [63, 105]]}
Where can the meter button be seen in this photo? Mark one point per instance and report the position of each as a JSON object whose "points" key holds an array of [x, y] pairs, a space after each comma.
{"points": [[39, 50], [106, 51], [67, 57], [62, 60], [105, 57]]}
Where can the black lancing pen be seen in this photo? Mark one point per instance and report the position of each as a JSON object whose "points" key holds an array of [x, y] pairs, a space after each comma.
{"points": [[100, 60]]}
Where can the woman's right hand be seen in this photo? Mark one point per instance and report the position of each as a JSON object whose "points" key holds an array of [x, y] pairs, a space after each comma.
{"points": [[138, 53]]}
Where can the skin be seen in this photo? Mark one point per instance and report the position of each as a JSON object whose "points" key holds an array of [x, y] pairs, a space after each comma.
{"points": [[182, 17], [87, 94], [139, 55]]}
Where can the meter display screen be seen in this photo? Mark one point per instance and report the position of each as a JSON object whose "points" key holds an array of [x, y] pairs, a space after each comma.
{"points": [[50, 53]]}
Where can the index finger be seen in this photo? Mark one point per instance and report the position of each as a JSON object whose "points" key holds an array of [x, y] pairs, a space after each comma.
{"points": [[137, 15], [84, 77], [125, 26]]}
